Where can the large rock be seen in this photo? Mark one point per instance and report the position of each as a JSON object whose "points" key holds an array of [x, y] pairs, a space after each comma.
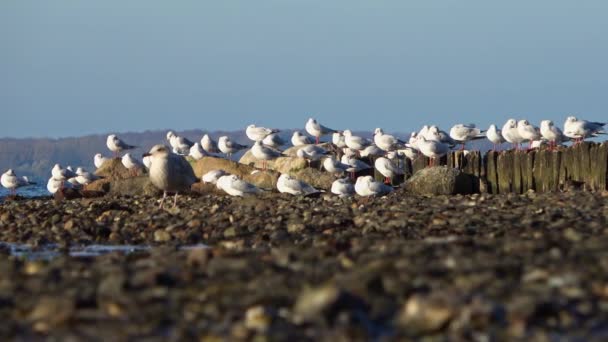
{"points": [[296, 167], [440, 180], [113, 169], [133, 186]]}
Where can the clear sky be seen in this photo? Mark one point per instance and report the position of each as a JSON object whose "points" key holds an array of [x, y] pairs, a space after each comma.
{"points": [[76, 67]]}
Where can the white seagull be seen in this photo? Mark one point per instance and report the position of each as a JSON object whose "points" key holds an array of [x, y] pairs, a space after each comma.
{"points": [[355, 142], [366, 186], [209, 145], [98, 160], [212, 176], [551, 133], [337, 138], [462, 133], [10, 181], [495, 136], [527, 132], [264, 153], [197, 152], [510, 133], [334, 166], [131, 164], [228, 146], [432, 149], [387, 142], [386, 168], [317, 130], [342, 187], [116, 145], [579, 130], [234, 186], [258, 133], [311, 153], [273, 140], [298, 139], [290, 185]]}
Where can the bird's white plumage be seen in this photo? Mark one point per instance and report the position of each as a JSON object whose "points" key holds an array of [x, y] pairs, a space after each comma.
{"points": [[342, 187], [366, 186], [290, 185]]}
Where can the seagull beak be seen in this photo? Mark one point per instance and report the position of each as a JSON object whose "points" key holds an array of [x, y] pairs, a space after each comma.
{"points": [[145, 155]]}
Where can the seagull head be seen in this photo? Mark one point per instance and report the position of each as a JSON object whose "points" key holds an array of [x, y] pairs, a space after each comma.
{"points": [[378, 131], [10, 172], [523, 123], [571, 119], [312, 121], [158, 151], [511, 123]]}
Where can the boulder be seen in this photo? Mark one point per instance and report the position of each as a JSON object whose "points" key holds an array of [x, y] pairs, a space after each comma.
{"points": [[440, 180], [296, 167], [140, 185], [113, 169]]}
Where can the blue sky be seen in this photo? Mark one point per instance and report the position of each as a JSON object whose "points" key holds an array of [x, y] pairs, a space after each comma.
{"points": [[69, 68]]}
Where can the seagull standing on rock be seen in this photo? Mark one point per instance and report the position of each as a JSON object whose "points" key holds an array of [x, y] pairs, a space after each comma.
{"points": [[258, 133], [334, 166], [228, 147], [131, 164], [209, 145], [116, 145], [367, 186], [387, 142], [317, 130], [355, 142], [197, 152], [495, 136], [432, 149], [288, 184], [298, 139], [311, 153], [170, 172], [273, 140], [264, 153], [98, 160]]}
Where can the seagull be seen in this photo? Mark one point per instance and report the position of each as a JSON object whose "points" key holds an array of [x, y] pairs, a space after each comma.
{"points": [[372, 151], [298, 139], [387, 142], [264, 153], [213, 175], [366, 186], [209, 145], [290, 185], [387, 169], [355, 165], [229, 147], [116, 145], [334, 166], [410, 152], [61, 174], [551, 133], [462, 133], [355, 142], [98, 160], [432, 149], [317, 130], [259, 133], [510, 133], [527, 132], [495, 136], [197, 152], [10, 181], [579, 130], [179, 144], [273, 140], [131, 164], [234, 186], [169, 172], [337, 138], [311, 153], [84, 177], [54, 185], [342, 187], [434, 133]]}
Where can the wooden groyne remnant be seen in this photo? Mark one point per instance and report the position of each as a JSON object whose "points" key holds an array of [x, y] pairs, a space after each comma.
{"points": [[585, 165]]}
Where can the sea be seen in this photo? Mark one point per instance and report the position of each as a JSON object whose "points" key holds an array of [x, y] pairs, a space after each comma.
{"points": [[35, 190]]}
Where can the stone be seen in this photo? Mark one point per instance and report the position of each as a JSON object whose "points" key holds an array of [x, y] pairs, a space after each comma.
{"points": [[440, 180]]}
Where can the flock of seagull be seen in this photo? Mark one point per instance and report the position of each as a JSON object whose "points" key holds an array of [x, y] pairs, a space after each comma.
{"points": [[170, 171]]}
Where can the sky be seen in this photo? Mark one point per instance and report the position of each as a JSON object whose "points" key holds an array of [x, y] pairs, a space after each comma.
{"points": [[69, 68]]}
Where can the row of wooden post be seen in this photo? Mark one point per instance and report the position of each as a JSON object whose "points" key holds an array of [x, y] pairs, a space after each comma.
{"points": [[543, 170]]}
